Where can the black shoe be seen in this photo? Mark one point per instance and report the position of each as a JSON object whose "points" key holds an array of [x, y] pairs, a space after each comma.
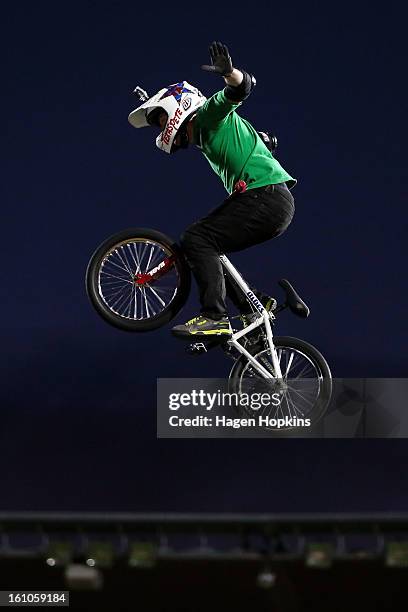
{"points": [[203, 326]]}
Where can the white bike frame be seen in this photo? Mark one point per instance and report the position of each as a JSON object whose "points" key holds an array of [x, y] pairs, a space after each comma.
{"points": [[264, 318]]}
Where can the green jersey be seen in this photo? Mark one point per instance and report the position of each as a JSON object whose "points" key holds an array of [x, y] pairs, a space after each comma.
{"points": [[234, 148]]}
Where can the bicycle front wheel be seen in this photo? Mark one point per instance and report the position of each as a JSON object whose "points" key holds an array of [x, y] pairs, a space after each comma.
{"points": [[304, 391], [138, 280]]}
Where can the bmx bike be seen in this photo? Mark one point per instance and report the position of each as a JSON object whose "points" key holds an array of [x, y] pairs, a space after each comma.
{"points": [[138, 280]]}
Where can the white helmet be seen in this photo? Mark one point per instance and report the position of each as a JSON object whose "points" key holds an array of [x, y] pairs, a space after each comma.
{"points": [[179, 101]]}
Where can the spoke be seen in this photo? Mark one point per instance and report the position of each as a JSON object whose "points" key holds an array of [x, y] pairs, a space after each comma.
{"points": [[130, 302], [137, 258], [127, 261], [142, 252], [297, 360], [289, 399], [157, 296], [303, 389], [158, 253], [113, 295], [150, 256], [168, 293], [306, 368], [113, 263], [112, 286], [298, 409], [124, 305], [117, 306], [288, 405], [278, 408], [145, 299], [121, 278], [164, 288], [140, 294], [129, 246], [123, 300], [300, 395], [122, 291], [150, 302], [116, 281], [135, 305], [289, 364], [282, 412], [124, 263]]}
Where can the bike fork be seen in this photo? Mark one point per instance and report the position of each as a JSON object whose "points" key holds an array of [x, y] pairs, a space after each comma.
{"points": [[274, 354]]}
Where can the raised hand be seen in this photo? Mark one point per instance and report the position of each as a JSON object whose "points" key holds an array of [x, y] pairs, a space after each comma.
{"points": [[220, 58]]}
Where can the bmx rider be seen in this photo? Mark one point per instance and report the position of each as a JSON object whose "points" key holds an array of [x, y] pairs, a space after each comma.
{"points": [[260, 205]]}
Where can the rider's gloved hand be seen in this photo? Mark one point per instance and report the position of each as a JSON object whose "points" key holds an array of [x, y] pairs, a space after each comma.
{"points": [[221, 60]]}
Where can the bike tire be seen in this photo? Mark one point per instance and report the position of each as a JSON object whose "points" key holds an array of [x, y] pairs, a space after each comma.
{"points": [[128, 237], [288, 342]]}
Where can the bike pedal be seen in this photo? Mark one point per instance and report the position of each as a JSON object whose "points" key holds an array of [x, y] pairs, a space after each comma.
{"points": [[196, 348], [199, 348]]}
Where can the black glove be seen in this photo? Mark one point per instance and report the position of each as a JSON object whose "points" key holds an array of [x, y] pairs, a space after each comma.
{"points": [[221, 60]]}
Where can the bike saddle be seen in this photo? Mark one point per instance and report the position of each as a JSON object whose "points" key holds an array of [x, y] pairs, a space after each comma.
{"points": [[293, 300]]}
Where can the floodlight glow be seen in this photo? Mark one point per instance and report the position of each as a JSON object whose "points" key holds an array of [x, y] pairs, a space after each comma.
{"points": [[142, 554], [319, 555], [396, 554], [59, 553], [100, 554]]}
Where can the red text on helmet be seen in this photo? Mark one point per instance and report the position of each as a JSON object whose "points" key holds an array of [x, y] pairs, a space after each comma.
{"points": [[171, 125]]}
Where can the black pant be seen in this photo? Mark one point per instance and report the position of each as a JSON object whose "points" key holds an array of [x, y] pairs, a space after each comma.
{"points": [[242, 220]]}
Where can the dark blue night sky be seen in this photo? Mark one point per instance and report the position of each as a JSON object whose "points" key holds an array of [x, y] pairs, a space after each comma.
{"points": [[78, 397]]}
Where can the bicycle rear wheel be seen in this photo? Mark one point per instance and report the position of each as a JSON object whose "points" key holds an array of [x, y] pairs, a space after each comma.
{"points": [[138, 280]]}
